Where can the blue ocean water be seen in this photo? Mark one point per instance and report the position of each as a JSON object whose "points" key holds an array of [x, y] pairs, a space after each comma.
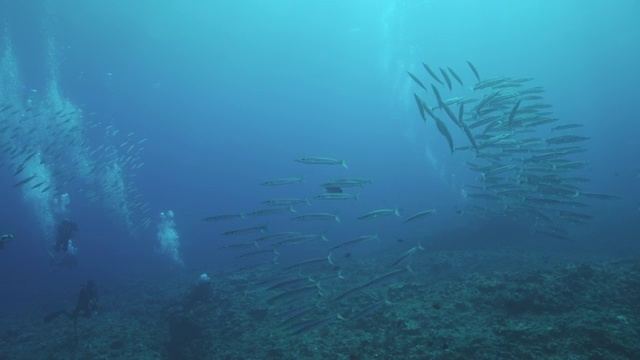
{"points": [[188, 107]]}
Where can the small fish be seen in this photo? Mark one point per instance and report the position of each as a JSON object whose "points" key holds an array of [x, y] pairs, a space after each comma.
{"points": [[566, 139], [420, 108], [446, 78], [380, 213], [565, 127], [337, 196], [417, 81], [20, 169], [433, 75], [467, 132], [283, 181], [224, 217], [455, 76], [286, 202], [371, 282], [38, 184], [442, 128], [436, 93], [450, 113], [490, 83], [279, 235], [321, 260], [420, 215], [332, 189], [425, 107], [298, 239], [24, 181], [473, 69], [317, 216], [356, 241], [407, 254], [254, 229], [322, 161], [461, 113], [271, 211], [348, 182], [513, 112]]}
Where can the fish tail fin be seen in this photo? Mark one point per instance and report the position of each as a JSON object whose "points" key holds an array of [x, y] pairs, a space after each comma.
{"points": [[255, 243], [340, 276], [292, 209], [410, 269], [307, 201], [330, 260], [344, 164], [243, 215], [357, 197], [337, 218], [420, 246], [340, 317], [323, 237], [396, 212], [275, 260]]}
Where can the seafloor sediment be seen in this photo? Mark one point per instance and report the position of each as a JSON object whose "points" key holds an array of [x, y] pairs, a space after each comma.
{"points": [[458, 305]]}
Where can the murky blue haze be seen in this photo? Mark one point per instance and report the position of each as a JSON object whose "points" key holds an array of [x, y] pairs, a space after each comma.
{"points": [[228, 94]]}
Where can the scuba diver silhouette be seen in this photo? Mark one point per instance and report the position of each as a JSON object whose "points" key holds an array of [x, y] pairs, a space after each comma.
{"points": [[86, 305]]}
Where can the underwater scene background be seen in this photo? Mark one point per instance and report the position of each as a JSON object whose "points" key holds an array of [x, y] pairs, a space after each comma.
{"points": [[382, 179]]}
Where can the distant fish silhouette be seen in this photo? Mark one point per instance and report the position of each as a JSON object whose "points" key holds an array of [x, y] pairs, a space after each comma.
{"points": [[333, 189]]}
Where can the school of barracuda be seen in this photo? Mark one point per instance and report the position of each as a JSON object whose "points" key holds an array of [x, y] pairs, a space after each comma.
{"points": [[308, 294], [522, 156], [47, 150]]}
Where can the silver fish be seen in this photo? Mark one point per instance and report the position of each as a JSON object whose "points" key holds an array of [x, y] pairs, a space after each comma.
{"points": [[283, 181], [322, 161], [317, 216], [473, 69], [272, 211], [433, 75], [244, 231], [417, 80], [337, 196], [380, 213], [224, 217], [420, 215]]}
